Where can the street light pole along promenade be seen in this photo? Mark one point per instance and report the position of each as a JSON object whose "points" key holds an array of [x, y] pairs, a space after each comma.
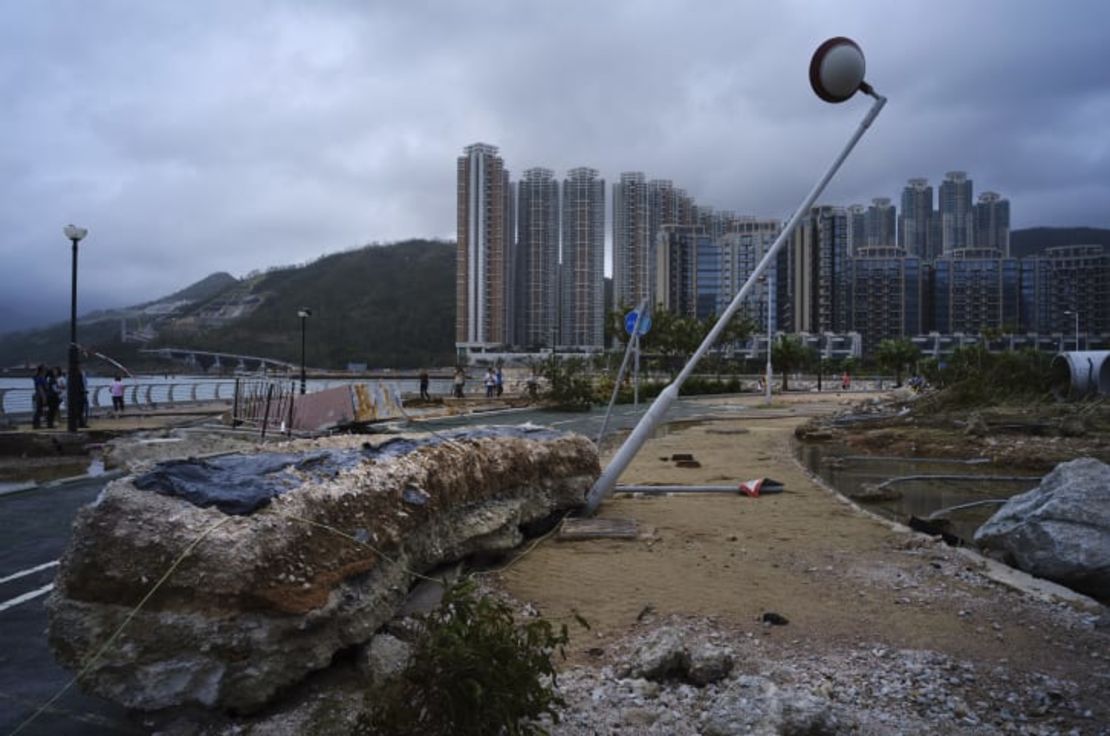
{"points": [[74, 397]]}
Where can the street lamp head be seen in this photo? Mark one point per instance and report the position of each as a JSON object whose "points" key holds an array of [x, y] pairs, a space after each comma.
{"points": [[836, 70], [75, 233], [304, 312]]}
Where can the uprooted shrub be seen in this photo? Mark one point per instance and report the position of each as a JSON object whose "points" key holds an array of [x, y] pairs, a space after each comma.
{"points": [[474, 671], [973, 376]]}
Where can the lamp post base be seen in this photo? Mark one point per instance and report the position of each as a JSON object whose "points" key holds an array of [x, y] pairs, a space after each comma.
{"points": [[74, 396]]}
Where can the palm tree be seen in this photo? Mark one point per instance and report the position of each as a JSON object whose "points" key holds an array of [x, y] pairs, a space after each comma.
{"points": [[787, 354], [895, 355]]}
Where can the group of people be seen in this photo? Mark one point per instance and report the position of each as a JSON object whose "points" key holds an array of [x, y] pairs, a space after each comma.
{"points": [[51, 392], [494, 381]]}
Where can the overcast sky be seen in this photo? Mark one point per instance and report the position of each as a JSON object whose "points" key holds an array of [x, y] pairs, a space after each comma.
{"points": [[202, 136]]}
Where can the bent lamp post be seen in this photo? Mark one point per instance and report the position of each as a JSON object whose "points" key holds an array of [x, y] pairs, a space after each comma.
{"points": [[74, 396], [304, 313], [836, 73]]}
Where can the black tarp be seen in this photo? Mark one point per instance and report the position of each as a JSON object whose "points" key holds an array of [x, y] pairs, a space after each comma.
{"points": [[240, 484]]}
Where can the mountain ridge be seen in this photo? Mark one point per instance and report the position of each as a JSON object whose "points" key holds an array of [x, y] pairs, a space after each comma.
{"points": [[389, 306]]}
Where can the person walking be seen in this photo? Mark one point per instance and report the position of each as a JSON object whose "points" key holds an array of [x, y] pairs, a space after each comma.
{"points": [[53, 398], [424, 395], [499, 379], [116, 390], [490, 382], [460, 380], [39, 398]]}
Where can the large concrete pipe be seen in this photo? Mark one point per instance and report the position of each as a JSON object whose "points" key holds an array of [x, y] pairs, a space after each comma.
{"points": [[1078, 374]]}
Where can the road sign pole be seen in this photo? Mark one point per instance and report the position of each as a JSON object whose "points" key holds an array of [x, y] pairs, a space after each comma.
{"points": [[620, 373], [636, 372]]}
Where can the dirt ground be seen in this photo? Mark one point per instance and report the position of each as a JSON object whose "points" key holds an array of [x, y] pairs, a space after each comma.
{"points": [[841, 577]]}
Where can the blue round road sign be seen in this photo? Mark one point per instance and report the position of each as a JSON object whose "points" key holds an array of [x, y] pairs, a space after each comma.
{"points": [[630, 323]]}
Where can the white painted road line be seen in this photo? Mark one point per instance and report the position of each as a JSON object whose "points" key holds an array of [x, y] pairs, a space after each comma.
{"points": [[26, 597], [28, 571]]}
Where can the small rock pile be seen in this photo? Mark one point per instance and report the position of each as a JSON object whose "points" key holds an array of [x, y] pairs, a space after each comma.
{"points": [[692, 678]]}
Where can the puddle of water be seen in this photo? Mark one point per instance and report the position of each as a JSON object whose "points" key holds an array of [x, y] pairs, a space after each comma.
{"points": [[42, 472], [31, 471], [918, 497]]}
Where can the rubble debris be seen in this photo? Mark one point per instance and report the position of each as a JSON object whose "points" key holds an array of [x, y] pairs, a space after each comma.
{"points": [[270, 596]]}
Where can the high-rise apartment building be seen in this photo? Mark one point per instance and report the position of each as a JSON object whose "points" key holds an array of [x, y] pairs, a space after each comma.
{"points": [[640, 210], [668, 205], [975, 289], [583, 267], [915, 223], [483, 274], [992, 222], [1062, 281], [717, 223], [676, 268], [632, 249], [886, 295], [880, 223], [538, 254], [857, 228], [957, 221], [742, 249], [817, 273]]}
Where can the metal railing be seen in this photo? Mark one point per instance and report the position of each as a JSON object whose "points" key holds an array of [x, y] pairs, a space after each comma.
{"points": [[16, 403]]}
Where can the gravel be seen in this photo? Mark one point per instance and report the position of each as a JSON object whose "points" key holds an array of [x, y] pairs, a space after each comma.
{"points": [[776, 688]]}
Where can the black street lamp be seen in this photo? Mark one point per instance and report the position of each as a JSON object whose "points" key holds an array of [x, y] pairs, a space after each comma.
{"points": [[73, 393], [304, 313]]}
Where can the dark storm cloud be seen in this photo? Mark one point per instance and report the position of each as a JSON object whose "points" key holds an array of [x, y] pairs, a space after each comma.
{"points": [[196, 137]]}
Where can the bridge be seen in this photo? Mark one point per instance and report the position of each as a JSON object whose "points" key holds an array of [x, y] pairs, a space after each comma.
{"points": [[205, 360]]}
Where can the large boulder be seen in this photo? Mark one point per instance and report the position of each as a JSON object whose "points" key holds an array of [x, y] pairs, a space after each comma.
{"points": [[274, 562], [1060, 530]]}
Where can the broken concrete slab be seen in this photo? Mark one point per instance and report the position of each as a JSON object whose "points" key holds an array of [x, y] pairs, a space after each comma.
{"points": [[264, 598], [593, 528]]}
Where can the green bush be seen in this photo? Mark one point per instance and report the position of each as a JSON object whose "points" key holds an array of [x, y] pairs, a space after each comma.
{"points": [[694, 386], [974, 376], [569, 386], [474, 672]]}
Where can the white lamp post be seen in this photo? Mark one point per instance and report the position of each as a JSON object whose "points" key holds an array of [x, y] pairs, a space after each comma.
{"points": [[304, 313], [836, 73], [768, 282], [74, 399]]}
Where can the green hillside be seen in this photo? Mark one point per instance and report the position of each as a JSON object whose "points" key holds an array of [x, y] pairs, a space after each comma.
{"points": [[386, 306], [204, 289], [49, 344]]}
